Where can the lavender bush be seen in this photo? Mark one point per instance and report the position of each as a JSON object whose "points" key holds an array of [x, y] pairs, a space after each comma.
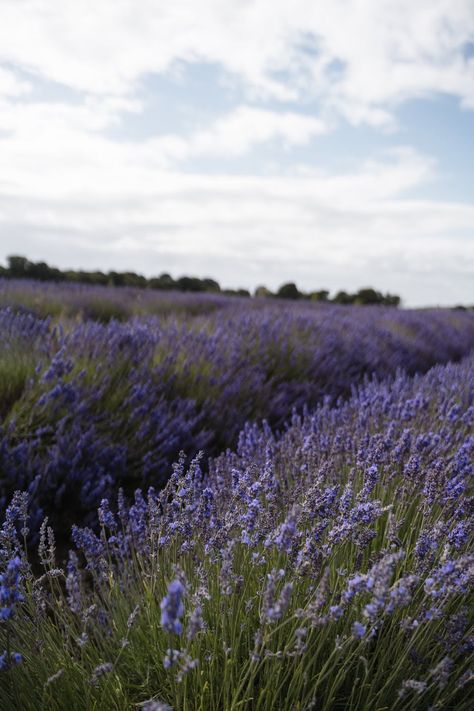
{"points": [[328, 567], [87, 407], [101, 303]]}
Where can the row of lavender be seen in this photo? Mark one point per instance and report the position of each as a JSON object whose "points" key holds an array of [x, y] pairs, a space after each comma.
{"points": [[325, 568], [93, 407], [102, 304]]}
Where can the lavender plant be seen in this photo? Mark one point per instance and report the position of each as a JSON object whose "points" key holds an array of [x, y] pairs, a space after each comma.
{"points": [[87, 407], [100, 303], [325, 567]]}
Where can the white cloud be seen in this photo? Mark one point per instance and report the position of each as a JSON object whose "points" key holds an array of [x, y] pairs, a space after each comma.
{"points": [[40, 120], [246, 126], [235, 134], [11, 86], [56, 148], [359, 58]]}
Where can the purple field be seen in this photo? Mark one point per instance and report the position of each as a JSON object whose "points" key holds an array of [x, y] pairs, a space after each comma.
{"points": [[310, 469]]}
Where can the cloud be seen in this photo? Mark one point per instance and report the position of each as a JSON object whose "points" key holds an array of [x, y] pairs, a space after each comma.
{"points": [[57, 148], [11, 86], [42, 120], [236, 133], [359, 59]]}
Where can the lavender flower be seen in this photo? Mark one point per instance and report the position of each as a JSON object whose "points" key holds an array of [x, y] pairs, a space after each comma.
{"points": [[418, 687], [441, 671], [7, 662], [171, 658], [172, 608], [73, 583], [10, 591], [274, 607], [195, 623], [286, 534], [359, 630], [153, 705], [100, 671]]}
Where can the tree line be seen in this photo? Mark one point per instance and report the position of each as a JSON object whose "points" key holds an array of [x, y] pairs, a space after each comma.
{"points": [[364, 296], [19, 267]]}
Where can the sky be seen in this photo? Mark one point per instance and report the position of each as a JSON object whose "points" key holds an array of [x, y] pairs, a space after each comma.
{"points": [[252, 141]]}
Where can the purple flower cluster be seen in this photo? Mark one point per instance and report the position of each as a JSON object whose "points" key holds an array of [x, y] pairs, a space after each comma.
{"points": [[345, 533], [282, 495], [108, 405], [172, 608], [10, 590], [10, 595]]}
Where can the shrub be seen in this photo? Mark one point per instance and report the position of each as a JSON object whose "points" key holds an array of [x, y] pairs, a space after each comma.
{"points": [[327, 568]]}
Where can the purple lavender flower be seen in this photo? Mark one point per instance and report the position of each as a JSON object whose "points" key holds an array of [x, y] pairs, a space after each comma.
{"points": [[73, 583], [10, 592], [172, 608], [458, 536], [274, 607], [286, 534], [171, 658], [195, 623], [418, 687], [106, 517], [440, 673], [7, 662], [100, 671], [358, 630]]}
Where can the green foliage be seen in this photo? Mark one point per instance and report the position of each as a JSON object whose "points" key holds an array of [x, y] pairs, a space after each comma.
{"points": [[288, 291], [16, 367], [261, 292], [21, 268], [101, 310], [321, 295], [342, 297]]}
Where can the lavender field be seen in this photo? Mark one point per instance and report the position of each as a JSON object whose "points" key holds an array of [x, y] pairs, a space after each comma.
{"points": [[215, 502]]}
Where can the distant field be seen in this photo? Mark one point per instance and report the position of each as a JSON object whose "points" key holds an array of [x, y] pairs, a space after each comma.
{"points": [[101, 303]]}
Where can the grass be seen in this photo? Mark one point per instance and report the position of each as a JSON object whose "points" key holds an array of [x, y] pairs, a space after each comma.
{"points": [[15, 370]]}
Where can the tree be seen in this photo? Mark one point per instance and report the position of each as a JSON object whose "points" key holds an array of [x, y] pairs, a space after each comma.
{"points": [[289, 291], [368, 296], [321, 295], [17, 266], [116, 279], [261, 292], [392, 300], [186, 283], [211, 285], [236, 292], [342, 297], [132, 279]]}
